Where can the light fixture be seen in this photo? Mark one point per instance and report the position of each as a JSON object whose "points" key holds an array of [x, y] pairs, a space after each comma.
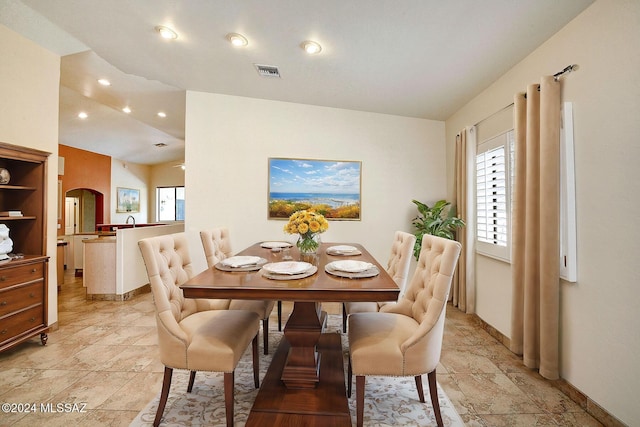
{"points": [[82, 115], [166, 32], [104, 82], [162, 114], [238, 40], [311, 47], [126, 110]]}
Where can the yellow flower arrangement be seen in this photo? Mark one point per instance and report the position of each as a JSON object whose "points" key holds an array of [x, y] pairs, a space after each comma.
{"points": [[308, 225]]}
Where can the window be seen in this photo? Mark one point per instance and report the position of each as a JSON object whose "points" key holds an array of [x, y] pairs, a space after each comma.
{"points": [[494, 165], [170, 203]]}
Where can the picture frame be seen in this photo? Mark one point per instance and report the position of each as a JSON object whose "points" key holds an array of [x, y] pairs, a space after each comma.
{"points": [[127, 200], [330, 187]]}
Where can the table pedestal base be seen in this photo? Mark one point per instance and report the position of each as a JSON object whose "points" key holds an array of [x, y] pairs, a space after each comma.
{"points": [[324, 405], [303, 330]]}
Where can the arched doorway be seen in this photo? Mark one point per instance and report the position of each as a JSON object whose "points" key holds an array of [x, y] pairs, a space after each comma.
{"points": [[84, 209]]}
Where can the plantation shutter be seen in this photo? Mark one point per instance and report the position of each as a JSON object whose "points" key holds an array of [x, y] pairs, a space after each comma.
{"points": [[491, 197]]}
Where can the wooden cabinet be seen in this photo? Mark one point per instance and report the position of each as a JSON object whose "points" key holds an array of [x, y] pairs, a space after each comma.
{"points": [[23, 300], [23, 278]]}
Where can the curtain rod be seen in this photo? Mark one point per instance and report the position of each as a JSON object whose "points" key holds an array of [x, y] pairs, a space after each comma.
{"points": [[493, 114], [556, 76], [567, 69]]}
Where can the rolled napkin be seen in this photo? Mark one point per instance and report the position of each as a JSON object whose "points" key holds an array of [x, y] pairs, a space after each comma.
{"points": [[240, 261]]}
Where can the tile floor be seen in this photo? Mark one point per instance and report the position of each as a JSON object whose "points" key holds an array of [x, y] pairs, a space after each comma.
{"points": [[103, 358]]}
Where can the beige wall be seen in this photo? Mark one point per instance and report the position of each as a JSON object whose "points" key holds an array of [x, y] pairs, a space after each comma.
{"points": [[163, 175], [229, 139], [29, 81], [600, 337]]}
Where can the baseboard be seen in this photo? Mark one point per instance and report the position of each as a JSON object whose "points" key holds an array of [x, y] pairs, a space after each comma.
{"points": [[120, 297], [590, 407]]}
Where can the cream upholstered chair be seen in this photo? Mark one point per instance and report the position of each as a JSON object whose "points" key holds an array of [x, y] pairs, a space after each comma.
{"points": [[217, 246], [405, 338], [398, 269], [192, 334]]}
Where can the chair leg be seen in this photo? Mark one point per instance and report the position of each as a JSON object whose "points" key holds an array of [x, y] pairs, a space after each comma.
{"points": [[265, 334], [279, 315], [360, 400], [349, 377], [256, 362], [228, 396], [419, 387], [344, 317], [433, 391], [166, 384], [192, 378]]}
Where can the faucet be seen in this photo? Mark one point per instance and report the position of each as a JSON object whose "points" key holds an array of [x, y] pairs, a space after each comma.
{"points": [[132, 219]]}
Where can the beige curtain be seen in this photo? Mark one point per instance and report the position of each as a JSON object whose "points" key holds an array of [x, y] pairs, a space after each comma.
{"points": [[463, 285], [535, 229]]}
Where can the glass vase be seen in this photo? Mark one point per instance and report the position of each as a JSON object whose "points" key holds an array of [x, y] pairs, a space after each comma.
{"points": [[308, 244]]}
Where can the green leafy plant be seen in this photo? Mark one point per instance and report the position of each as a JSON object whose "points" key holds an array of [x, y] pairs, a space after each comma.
{"points": [[439, 220]]}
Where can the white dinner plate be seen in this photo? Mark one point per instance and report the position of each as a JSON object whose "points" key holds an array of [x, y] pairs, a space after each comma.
{"points": [[287, 267], [241, 261], [343, 250], [351, 266], [273, 245]]}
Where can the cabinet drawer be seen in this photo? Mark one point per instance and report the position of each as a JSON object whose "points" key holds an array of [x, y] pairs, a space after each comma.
{"points": [[20, 322], [21, 274], [20, 297]]}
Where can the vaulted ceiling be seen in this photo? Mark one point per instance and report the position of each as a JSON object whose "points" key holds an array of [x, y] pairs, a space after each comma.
{"points": [[414, 58]]}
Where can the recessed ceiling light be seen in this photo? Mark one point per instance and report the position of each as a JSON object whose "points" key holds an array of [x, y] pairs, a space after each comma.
{"points": [[237, 40], [83, 115], [166, 32], [126, 110], [160, 144], [311, 47], [104, 82], [162, 114]]}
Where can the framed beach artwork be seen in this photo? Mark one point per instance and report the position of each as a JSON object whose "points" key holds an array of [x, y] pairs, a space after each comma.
{"points": [[330, 187], [128, 200]]}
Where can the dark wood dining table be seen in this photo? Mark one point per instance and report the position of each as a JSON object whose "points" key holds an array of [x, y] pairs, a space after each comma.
{"points": [[305, 382]]}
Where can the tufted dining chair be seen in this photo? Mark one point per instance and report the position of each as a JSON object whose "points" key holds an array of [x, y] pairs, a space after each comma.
{"points": [[217, 246], [405, 338], [192, 333], [398, 269]]}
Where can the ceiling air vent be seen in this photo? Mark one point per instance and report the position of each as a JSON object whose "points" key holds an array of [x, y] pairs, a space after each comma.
{"points": [[267, 70]]}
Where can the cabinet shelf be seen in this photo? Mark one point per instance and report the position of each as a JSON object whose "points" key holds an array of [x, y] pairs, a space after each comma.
{"points": [[23, 281], [16, 187], [17, 218]]}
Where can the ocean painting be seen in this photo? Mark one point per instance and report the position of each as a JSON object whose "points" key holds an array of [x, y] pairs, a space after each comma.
{"points": [[329, 187]]}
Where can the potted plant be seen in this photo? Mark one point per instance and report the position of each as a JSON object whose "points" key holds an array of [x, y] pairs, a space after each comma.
{"points": [[439, 220]]}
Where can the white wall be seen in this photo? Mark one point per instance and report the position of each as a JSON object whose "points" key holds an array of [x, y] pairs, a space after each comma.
{"points": [[135, 176], [600, 338], [229, 140], [131, 272], [29, 84]]}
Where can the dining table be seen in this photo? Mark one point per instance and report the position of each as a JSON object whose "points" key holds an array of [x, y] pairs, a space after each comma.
{"points": [[305, 381]]}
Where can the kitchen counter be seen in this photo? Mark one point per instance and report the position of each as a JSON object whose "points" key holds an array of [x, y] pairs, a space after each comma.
{"points": [[109, 228], [100, 267]]}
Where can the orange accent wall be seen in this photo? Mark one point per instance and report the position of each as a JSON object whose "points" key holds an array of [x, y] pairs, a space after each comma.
{"points": [[85, 169]]}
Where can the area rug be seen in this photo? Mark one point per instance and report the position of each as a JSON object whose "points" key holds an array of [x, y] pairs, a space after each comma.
{"points": [[388, 401]]}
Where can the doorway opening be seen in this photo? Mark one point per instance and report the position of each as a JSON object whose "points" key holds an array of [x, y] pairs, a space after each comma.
{"points": [[83, 210]]}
